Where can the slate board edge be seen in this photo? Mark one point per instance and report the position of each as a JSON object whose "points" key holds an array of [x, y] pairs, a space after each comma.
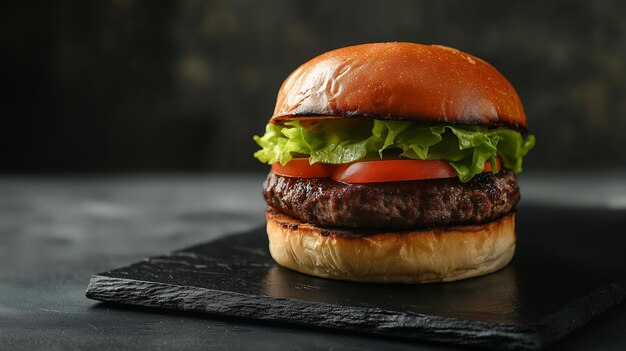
{"points": [[412, 326], [557, 325]]}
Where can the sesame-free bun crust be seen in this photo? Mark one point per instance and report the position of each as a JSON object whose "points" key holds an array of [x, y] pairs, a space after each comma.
{"points": [[417, 256], [402, 81]]}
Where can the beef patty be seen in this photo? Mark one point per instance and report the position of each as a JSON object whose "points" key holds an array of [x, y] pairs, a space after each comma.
{"points": [[393, 205]]}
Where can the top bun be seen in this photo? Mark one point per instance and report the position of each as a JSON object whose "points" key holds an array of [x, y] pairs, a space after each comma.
{"points": [[402, 81]]}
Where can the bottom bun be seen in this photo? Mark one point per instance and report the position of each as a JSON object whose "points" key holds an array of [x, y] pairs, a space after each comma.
{"points": [[414, 256]]}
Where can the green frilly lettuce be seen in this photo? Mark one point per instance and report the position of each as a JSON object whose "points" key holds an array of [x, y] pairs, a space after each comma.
{"points": [[465, 147]]}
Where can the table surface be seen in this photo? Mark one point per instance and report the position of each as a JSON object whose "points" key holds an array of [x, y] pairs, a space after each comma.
{"points": [[57, 231]]}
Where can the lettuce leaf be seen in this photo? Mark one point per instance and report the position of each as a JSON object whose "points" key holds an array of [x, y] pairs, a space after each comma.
{"points": [[465, 147]]}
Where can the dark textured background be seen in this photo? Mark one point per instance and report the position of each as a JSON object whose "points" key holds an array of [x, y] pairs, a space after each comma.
{"points": [[183, 85]]}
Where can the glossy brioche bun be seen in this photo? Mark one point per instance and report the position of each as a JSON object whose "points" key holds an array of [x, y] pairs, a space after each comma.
{"points": [[402, 81], [419, 256]]}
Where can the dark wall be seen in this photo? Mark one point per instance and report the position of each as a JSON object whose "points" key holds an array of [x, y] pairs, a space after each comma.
{"points": [[183, 85]]}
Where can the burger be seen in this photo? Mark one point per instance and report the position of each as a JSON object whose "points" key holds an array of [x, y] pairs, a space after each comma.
{"points": [[394, 163]]}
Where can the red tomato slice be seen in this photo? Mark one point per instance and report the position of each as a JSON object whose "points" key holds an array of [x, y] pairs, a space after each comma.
{"points": [[300, 168], [392, 170], [371, 171], [488, 165], [395, 170]]}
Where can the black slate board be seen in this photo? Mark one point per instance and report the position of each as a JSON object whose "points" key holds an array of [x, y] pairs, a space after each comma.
{"points": [[569, 267]]}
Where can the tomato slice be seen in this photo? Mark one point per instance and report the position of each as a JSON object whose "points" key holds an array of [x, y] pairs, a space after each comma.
{"points": [[371, 171], [300, 168], [392, 170], [488, 165], [395, 170]]}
